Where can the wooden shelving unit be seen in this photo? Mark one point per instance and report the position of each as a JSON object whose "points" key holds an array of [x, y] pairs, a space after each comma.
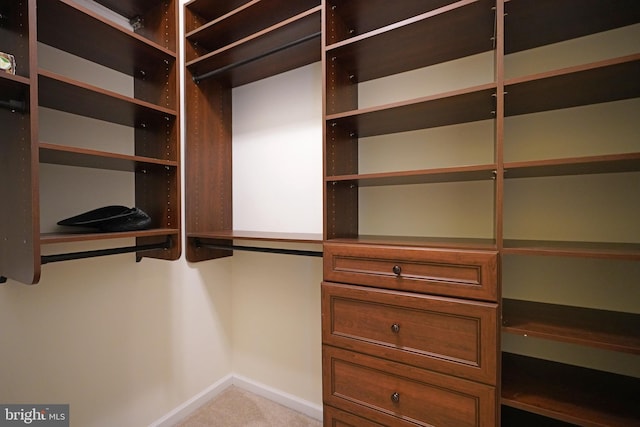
{"points": [[231, 43], [608, 330], [362, 45], [149, 57], [562, 391], [366, 41], [228, 44], [568, 393]]}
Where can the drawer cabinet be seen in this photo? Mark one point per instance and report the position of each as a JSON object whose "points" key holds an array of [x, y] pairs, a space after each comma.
{"points": [[456, 273], [447, 335], [410, 336], [377, 388]]}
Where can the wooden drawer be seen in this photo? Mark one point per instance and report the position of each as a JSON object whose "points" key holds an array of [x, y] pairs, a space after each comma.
{"points": [[447, 335], [376, 389], [457, 273], [333, 417]]}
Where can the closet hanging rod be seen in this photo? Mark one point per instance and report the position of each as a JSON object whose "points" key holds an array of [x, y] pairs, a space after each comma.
{"points": [[260, 249], [14, 105], [47, 259], [221, 70]]}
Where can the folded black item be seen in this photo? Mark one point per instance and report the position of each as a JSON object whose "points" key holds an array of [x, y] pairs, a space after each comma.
{"points": [[111, 218]]}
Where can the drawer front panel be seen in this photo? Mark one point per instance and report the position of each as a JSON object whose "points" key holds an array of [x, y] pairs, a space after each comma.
{"points": [[455, 337], [457, 273], [366, 385], [333, 417]]}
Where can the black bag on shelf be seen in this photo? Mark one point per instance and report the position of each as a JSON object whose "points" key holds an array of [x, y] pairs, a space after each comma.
{"points": [[111, 218]]}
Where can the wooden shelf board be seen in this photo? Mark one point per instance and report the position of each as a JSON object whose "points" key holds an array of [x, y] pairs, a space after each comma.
{"points": [[77, 30], [613, 163], [608, 330], [129, 9], [245, 51], [426, 176], [569, 393], [428, 241], [362, 16], [562, 20], [49, 238], [375, 54], [602, 81], [252, 17], [14, 88], [65, 94], [7, 81], [72, 156], [258, 236], [609, 250], [512, 417], [212, 9], [459, 106]]}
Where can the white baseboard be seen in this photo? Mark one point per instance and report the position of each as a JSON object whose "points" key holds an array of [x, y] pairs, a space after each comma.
{"points": [[180, 413], [190, 406]]}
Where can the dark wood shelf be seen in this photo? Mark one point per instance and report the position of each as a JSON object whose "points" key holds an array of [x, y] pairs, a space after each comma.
{"points": [[569, 393], [604, 329], [607, 250], [250, 18], [426, 176], [50, 238], [258, 236], [470, 28], [613, 163], [459, 106], [72, 156], [356, 17], [64, 94], [422, 241], [209, 10], [512, 417], [92, 37], [14, 89], [245, 61], [129, 9], [562, 20], [9, 81], [602, 81]]}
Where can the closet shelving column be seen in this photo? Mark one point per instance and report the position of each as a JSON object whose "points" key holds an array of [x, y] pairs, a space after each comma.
{"points": [[537, 387], [228, 44], [405, 39], [393, 296], [149, 57], [19, 232]]}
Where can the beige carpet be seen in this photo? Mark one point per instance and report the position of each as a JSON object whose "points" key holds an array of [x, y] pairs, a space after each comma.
{"points": [[236, 407]]}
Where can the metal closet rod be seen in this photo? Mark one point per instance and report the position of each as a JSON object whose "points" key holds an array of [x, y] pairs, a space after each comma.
{"points": [[48, 259], [221, 70], [259, 249], [14, 105]]}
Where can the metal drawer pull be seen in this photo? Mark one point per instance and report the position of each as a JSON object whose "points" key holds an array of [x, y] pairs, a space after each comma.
{"points": [[395, 397], [395, 328], [397, 270]]}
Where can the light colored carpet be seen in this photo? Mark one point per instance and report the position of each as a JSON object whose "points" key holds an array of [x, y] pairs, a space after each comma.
{"points": [[236, 407]]}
